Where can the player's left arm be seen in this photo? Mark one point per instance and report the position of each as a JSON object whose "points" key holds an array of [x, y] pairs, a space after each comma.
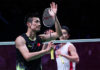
{"points": [[73, 54]]}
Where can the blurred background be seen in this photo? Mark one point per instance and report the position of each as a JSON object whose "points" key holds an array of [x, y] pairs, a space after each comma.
{"points": [[81, 16]]}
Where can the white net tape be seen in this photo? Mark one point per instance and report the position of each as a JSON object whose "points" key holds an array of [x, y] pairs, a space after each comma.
{"points": [[60, 41], [76, 40]]}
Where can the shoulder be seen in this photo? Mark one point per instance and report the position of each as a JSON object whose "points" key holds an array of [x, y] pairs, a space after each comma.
{"points": [[71, 46], [19, 40]]}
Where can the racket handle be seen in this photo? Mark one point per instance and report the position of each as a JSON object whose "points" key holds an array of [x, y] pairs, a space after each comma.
{"points": [[61, 59], [52, 54]]}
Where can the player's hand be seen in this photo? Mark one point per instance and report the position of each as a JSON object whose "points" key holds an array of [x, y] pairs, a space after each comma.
{"points": [[50, 46], [53, 9]]}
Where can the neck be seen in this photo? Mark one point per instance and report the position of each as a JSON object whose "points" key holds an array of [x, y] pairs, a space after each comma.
{"points": [[31, 35]]}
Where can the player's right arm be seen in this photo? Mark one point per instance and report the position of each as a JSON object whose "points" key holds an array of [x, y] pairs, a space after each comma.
{"points": [[28, 56]]}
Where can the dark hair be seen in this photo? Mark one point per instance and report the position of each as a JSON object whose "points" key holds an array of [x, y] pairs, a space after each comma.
{"points": [[29, 16], [66, 28]]}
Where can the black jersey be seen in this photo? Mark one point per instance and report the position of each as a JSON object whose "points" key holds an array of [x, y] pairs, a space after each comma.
{"points": [[33, 46]]}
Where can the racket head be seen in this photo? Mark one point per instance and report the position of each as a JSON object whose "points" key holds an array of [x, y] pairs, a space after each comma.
{"points": [[47, 19]]}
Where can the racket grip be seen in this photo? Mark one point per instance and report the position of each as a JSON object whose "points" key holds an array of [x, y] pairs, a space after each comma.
{"points": [[52, 54]]}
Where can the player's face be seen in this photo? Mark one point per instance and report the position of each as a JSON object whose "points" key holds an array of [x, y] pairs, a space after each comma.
{"points": [[35, 25], [65, 35]]}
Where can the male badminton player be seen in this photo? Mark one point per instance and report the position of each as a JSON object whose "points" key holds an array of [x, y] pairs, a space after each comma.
{"points": [[29, 45]]}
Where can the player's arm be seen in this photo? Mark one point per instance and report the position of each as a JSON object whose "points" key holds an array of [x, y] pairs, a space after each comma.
{"points": [[53, 12], [28, 56], [58, 32], [73, 54]]}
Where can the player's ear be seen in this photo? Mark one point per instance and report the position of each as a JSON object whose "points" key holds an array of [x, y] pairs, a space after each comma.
{"points": [[28, 24]]}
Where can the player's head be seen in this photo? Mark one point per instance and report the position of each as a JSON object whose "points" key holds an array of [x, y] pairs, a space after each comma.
{"points": [[65, 32], [48, 31], [32, 21]]}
